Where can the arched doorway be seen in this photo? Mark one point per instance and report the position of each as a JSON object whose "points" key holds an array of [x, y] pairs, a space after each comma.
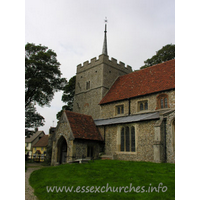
{"points": [[62, 150]]}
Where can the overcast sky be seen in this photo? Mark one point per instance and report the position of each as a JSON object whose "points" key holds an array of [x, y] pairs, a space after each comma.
{"points": [[74, 29]]}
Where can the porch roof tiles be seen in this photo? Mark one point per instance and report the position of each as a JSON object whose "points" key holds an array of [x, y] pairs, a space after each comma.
{"points": [[83, 126]]}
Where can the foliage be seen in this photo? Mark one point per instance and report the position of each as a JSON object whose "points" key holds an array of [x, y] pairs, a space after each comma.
{"points": [[42, 80], [68, 96], [102, 172], [166, 53], [69, 91], [42, 75], [48, 155], [32, 119]]}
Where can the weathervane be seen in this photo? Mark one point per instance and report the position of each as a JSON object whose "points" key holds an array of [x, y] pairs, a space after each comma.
{"points": [[106, 21]]}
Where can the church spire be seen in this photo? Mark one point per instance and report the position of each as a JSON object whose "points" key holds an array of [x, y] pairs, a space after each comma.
{"points": [[104, 51]]}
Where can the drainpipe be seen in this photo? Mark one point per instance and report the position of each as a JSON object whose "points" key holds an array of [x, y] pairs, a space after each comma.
{"points": [[129, 106], [104, 133]]}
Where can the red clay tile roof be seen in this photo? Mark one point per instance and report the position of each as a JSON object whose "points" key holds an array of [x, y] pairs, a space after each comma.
{"points": [[43, 142], [83, 126], [152, 79]]}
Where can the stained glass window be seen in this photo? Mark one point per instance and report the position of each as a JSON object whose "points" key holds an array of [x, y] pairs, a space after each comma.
{"points": [[146, 105], [161, 103], [133, 139], [127, 139], [166, 103], [122, 139]]}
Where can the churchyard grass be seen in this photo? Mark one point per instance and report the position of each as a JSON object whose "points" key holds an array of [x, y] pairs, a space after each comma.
{"points": [[145, 177]]}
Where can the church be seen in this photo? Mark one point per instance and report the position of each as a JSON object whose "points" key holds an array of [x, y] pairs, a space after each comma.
{"points": [[118, 114]]}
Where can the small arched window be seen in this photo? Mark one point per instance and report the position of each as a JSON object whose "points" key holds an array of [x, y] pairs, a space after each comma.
{"points": [[143, 105], [162, 101]]}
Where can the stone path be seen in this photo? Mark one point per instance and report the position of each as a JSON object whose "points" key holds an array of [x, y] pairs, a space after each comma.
{"points": [[29, 191]]}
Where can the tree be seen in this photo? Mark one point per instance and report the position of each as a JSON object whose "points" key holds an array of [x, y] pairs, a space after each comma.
{"points": [[32, 119], [69, 92], [166, 53], [68, 96], [42, 75], [42, 80]]}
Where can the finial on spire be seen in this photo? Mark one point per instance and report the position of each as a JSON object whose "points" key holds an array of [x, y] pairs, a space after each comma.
{"points": [[106, 20], [104, 51]]}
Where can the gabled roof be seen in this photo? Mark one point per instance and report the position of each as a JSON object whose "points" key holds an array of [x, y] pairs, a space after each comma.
{"points": [[83, 126], [43, 142], [33, 137], [152, 79]]}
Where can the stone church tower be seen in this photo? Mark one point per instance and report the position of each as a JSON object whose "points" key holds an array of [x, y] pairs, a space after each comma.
{"points": [[94, 79]]}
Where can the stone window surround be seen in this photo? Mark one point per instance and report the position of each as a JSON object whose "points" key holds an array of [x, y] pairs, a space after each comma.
{"points": [[119, 138], [162, 96], [79, 86], [116, 109], [87, 85], [138, 105], [142, 101]]}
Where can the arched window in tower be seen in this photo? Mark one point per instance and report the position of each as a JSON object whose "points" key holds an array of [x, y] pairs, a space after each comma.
{"points": [[88, 85], [79, 86]]}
